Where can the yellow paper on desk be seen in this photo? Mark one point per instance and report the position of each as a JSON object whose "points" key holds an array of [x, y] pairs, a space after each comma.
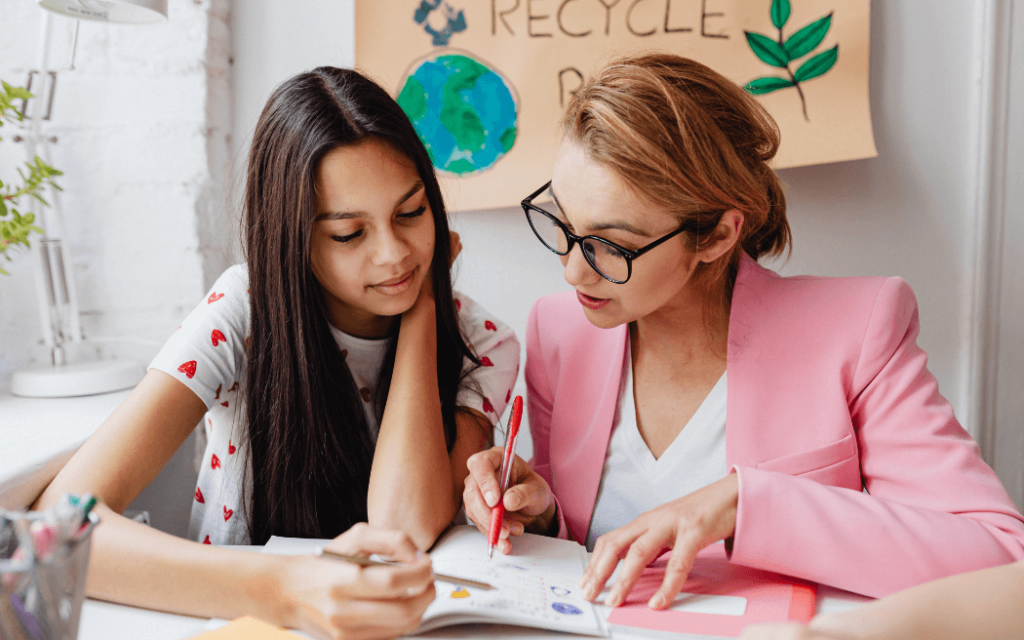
{"points": [[248, 629]]}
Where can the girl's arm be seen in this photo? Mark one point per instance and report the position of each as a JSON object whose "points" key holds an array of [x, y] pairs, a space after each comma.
{"points": [[134, 564], [415, 483], [981, 605]]}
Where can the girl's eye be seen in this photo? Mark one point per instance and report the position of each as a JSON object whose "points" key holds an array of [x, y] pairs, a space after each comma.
{"points": [[413, 214], [348, 238]]}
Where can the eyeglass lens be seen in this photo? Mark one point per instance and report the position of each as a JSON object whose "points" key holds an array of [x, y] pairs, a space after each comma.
{"points": [[607, 260]]}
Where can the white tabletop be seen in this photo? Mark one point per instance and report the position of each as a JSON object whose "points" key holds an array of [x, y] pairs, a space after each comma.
{"points": [[39, 435], [106, 621]]}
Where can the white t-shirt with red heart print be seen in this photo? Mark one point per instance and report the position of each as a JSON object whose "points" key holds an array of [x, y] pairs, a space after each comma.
{"points": [[207, 354]]}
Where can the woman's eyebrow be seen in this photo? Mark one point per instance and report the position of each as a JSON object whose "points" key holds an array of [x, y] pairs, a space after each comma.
{"points": [[348, 215], [603, 226]]}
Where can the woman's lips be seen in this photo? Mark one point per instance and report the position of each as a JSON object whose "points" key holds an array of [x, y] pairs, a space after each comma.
{"points": [[395, 286], [591, 303]]}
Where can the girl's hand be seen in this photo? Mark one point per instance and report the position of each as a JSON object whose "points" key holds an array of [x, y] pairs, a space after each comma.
{"points": [[787, 631], [686, 526], [332, 599], [529, 505]]}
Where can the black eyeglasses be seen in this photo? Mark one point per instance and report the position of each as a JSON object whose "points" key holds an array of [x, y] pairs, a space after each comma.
{"points": [[612, 262]]}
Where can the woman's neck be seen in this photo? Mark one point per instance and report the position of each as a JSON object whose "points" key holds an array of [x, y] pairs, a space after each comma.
{"points": [[684, 330]]}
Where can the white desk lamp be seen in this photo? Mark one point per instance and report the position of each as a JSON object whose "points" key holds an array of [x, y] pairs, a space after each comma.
{"points": [[55, 286]]}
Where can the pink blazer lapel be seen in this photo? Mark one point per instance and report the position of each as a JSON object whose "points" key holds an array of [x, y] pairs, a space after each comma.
{"points": [[588, 390]]}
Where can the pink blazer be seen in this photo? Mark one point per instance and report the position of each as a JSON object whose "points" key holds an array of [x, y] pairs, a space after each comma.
{"points": [[853, 470]]}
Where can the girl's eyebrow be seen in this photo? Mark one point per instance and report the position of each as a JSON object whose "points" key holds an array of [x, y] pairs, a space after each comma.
{"points": [[602, 226], [348, 215]]}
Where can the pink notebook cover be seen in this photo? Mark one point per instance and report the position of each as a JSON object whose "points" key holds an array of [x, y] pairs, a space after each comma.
{"points": [[771, 597]]}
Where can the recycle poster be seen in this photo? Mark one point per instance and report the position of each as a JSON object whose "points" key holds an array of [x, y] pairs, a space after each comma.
{"points": [[485, 82]]}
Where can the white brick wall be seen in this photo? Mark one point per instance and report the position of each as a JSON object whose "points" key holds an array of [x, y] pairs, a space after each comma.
{"points": [[144, 129]]}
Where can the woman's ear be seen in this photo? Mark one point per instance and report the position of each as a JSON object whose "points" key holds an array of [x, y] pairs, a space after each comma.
{"points": [[725, 237]]}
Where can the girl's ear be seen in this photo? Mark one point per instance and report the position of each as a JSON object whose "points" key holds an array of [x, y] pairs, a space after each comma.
{"points": [[725, 237]]}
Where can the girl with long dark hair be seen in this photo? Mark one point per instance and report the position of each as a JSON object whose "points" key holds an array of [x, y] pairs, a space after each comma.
{"points": [[341, 378]]}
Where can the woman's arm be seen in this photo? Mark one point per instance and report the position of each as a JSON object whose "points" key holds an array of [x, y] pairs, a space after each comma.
{"points": [[981, 605], [134, 564]]}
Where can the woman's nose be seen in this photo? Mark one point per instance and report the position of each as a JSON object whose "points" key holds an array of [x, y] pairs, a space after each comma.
{"points": [[577, 270]]}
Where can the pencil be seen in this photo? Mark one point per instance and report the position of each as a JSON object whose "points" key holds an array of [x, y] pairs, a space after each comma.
{"points": [[366, 562]]}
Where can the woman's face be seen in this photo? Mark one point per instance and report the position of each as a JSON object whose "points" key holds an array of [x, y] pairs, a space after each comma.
{"points": [[593, 200], [373, 238]]}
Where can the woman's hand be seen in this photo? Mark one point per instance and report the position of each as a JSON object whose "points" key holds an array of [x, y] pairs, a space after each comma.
{"points": [[686, 526], [529, 505], [333, 599]]}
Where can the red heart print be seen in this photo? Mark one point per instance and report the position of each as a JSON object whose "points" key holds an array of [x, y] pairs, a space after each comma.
{"points": [[508, 396], [247, 341], [490, 326], [199, 496], [458, 305], [215, 462], [488, 406], [217, 397], [214, 297], [189, 369], [234, 387], [224, 404], [228, 513], [209, 424], [486, 362], [207, 540], [217, 337], [231, 448]]}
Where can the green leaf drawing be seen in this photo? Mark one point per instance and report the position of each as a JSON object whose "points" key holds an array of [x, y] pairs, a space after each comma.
{"points": [[818, 65], [780, 13], [781, 51], [805, 40], [767, 50], [761, 86]]}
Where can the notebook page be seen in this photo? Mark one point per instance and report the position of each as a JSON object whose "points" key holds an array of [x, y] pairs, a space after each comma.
{"points": [[536, 585]]}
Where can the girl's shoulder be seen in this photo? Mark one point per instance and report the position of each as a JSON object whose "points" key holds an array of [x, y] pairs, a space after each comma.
{"points": [[477, 322]]}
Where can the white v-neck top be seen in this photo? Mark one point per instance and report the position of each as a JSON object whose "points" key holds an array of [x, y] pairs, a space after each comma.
{"points": [[634, 481]]}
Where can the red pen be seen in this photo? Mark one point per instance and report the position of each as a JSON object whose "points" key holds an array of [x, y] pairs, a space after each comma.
{"points": [[498, 510]]}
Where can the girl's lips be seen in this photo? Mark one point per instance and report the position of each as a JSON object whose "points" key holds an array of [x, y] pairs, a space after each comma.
{"points": [[394, 288], [591, 303]]}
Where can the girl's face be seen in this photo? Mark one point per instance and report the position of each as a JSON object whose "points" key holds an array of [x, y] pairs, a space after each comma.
{"points": [[593, 200], [373, 237]]}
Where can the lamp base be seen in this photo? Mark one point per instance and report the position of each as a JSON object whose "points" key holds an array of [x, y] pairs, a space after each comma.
{"points": [[79, 379]]}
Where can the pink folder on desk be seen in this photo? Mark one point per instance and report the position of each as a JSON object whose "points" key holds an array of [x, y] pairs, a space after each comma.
{"points": [[770, 597]]}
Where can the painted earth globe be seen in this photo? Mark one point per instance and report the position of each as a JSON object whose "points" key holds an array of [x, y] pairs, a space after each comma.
{"points": [[463, 111]]}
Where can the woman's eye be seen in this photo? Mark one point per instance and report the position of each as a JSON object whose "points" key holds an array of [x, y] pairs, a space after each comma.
{"points": [[349, 238], [413, 214]]}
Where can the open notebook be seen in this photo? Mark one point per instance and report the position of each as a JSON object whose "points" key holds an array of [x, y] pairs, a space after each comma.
{"points": [[536, 587]]}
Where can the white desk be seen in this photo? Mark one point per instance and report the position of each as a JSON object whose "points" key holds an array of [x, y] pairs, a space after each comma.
{"points": [[106, 621], [38, 436]]}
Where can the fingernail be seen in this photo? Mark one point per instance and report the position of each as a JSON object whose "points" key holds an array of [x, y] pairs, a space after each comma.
{"points": [[612, 600], [657, 602], [492, 498]]}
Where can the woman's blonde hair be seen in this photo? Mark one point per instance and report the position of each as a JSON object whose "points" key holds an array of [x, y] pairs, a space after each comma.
{"points": [[690, 141]]}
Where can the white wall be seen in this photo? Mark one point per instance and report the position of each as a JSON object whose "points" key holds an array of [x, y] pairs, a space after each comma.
{"points": [[143, 124]]}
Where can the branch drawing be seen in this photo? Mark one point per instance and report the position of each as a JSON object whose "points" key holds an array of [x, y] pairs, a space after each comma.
{"points": [[779, 53]]}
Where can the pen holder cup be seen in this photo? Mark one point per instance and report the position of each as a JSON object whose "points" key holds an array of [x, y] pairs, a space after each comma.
{"points": [[42, 599]]}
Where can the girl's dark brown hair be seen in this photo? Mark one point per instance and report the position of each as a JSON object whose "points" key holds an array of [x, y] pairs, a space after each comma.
{"points": [[307, 440], [692, 142]]}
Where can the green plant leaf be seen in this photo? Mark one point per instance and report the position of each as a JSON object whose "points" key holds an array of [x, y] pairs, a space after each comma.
{"points": [[805, 40], [767, 49], [767, 84], [817, 65], [780, 13], [3, 208]]}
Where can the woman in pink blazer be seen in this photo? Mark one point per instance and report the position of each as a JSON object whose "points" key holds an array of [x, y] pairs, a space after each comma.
{"points": [[839, 461]]}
